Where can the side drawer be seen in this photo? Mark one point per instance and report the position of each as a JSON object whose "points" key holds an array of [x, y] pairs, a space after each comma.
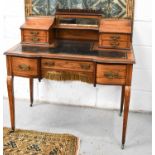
{"points": [[27, 67], [67, 65], [111, 74]]}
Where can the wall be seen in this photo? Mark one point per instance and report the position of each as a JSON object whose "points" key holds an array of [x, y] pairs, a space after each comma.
{"points": [[77, 93]]}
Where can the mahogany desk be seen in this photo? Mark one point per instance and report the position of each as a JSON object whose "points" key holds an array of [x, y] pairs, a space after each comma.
{"points": [[72, 60]]}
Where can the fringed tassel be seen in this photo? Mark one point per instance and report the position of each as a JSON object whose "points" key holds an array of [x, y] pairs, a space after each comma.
{"points": [[64, 76]]}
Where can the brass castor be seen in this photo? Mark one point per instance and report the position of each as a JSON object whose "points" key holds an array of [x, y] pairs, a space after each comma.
{"points": [[122, 146]]}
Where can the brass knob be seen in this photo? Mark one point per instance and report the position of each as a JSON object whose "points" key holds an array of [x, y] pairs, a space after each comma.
{"points": [[24, 67]]}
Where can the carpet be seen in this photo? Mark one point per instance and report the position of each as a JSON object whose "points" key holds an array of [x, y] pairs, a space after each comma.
{"points": [[25, 142]]}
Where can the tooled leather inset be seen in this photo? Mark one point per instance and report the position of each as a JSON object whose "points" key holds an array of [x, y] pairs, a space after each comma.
{"points": [[74, 48]]}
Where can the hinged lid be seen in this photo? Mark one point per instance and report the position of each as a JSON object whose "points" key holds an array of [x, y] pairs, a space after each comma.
{"points": [[115, 26], [39, 23]]}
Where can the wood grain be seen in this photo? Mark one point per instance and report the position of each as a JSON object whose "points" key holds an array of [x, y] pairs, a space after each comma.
{"points": [[116, 26], [118, 74], [126, 110], [11, 100], [67, 65], [25, 67]]}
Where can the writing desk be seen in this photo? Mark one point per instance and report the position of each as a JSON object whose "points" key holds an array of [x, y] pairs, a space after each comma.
{"points": [[72, 60]]}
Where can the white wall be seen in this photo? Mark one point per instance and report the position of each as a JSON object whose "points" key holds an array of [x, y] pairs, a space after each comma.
{"points": [[78, 93]]}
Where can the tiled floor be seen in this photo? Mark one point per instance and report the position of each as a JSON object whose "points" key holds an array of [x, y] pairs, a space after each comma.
{"points": [[99, 129]]}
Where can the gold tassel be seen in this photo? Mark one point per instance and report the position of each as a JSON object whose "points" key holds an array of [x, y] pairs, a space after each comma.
{"points": [[63, 76]]}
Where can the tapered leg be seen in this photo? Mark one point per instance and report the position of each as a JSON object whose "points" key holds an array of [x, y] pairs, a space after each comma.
{"points": [[31, 91], [122, 100], [11, 101], [126, 110]]}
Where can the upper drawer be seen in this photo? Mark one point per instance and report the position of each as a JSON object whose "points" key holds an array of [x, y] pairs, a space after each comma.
{"points": [[34, 33], [25, 66], [111, 74], [67, 65], [114, 44], [115, 37]]}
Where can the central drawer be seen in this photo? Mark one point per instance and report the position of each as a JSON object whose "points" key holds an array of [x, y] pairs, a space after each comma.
{"points": [[67, 65]]}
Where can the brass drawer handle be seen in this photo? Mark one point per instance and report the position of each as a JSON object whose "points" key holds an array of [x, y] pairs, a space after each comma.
{"points": [[24, 67], [34, 32], [34, 39], [114, 44], [115, 37], [112, 75], [49, 64], [85, 66]]}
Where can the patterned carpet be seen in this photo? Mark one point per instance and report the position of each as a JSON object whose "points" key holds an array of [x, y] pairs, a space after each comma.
{"points": [[25, 142]]}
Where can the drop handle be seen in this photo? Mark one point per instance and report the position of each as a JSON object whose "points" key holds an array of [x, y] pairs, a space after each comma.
{"points": [[24, 67], [85, 66], [115, 44], [112, 75], [49, 64], [34, 39], [34, 32], [115, 37]]}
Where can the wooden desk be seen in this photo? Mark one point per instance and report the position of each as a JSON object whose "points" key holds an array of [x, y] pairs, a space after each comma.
{"points": [[72, 60]]}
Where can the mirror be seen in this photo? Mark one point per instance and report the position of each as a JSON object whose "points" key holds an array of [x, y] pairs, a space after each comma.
{"points": [[79, 21], [108, 8]]}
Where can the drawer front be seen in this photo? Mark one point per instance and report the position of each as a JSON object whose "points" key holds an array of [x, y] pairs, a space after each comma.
{"points": [[34, 39], [25, 66], [118, 37], [114, 44], [34, 33], [111, 74], [67, 65]]}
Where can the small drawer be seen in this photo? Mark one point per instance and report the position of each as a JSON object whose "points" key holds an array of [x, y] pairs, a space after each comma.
{"points": [[115, 37], [34, 33], [34, 39], [67, 65], [25, 66], [111, 74], [114, 44]]}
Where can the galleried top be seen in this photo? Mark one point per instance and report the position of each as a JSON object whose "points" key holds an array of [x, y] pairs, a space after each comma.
{"points": [[108, 8]]}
